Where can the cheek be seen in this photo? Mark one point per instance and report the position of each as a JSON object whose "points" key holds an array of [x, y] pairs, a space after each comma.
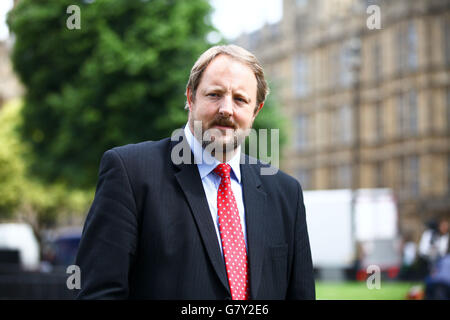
{"points": [[206, 108], [208, 114], [201, 110], [244, 119]]}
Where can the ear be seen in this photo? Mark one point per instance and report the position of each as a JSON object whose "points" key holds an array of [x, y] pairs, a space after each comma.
{"points": [[261, 105], [189, 98]]}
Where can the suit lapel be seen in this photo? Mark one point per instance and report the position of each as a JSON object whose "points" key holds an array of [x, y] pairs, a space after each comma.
{"points": [[254, 202], [190, 182]]}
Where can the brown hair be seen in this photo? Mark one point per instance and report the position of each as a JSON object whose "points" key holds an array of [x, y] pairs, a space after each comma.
{"points": [[235, 52]]}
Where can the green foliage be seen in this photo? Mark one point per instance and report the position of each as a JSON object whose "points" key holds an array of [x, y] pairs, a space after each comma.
{"points": [[19, 193], [53, 204], [269, 118], [11, 165], [119, 79]]}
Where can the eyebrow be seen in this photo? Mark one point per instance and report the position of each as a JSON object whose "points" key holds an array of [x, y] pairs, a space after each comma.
{"points": [[219, 88]]}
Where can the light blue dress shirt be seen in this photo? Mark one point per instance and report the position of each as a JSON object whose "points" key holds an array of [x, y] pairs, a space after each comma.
{"points": [[206, 164]]}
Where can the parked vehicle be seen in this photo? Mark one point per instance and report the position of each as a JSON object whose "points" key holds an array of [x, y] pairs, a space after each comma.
{"points": [[22, 273], [351, 231], [61, 246], [20, 238]]}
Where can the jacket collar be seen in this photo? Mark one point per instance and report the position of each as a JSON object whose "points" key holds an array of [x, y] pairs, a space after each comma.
{"points": [[189, 179]]}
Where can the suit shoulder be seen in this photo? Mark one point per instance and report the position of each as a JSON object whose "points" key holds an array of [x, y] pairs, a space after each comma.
{"points": [[143, 155], [281, 178], [271, 174], [146, 148]]}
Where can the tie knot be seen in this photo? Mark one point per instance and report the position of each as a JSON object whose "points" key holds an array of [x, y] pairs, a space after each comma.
{"points": [[223, 170]]}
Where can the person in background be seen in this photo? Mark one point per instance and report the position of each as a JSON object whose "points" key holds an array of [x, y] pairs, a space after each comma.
{"points": [[433, 244], [437, 284], [409, 258]]}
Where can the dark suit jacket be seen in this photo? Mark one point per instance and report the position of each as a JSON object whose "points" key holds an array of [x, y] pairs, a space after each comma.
{"points": [[149, 232]]}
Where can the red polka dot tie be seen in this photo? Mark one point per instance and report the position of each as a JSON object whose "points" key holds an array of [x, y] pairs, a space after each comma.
{"points": [[233, 244]]}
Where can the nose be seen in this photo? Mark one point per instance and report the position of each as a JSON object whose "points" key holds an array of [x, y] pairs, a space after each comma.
{"points": [[226, 106]]}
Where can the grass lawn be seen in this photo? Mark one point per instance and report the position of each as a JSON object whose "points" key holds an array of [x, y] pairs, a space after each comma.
{"points": [[359, 291]]}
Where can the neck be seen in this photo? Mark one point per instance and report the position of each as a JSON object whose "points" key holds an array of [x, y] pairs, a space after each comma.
{"points": [[224, 157]]}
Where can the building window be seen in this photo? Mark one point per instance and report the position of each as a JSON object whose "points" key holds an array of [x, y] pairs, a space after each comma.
{"points": [[305, 178], [379, 175], [400, 113], [301, 24], [407, 114], [377, 65], [301, 3], [333, 72], [447, 107], [344, 176], [371, 2], [446, 30], [341, 125], [340, 177], [406, 45], [448, 174], [300, 80], [400, 176], [334, 127], [412, 46], [345, 72], [413, 128], [346, 127], [301, 131], [332, 178], [398, 45], [379, 123], [409, 176], [412, 175]]}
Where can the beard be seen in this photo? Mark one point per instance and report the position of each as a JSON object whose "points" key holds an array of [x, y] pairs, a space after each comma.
{"points": [[220, 141]]}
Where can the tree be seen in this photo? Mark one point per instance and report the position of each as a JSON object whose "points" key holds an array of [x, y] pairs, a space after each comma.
{"points": [[11, 165], [118, 79], [42, 205], [270, 117]]}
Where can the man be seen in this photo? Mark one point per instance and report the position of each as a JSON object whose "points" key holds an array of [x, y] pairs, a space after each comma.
{"points": [[208, 227], [437, 283], [433, 244]]}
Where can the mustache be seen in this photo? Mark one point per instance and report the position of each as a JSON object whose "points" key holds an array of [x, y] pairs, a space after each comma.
{"points": [[223, 122]]}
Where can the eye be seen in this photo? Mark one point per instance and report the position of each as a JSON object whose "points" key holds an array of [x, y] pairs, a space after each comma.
{"points": [[213, 95], [240, 99]]}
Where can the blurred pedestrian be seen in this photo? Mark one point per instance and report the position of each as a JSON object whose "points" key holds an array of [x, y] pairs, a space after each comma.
{"points": [[437, 284], [409, 257], [433, 244]]}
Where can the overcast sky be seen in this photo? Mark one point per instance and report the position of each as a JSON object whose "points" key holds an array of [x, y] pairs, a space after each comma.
{"points": [[5, 6], [231, 17]]}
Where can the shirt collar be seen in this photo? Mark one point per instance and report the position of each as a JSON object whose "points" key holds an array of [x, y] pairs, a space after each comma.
{"points": [[206, 162]]}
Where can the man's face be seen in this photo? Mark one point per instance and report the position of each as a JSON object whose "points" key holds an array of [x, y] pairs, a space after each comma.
{"points": [[225, 100]]}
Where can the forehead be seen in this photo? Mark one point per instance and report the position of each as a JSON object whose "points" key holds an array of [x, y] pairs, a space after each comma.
{"points": [[228, 72]]}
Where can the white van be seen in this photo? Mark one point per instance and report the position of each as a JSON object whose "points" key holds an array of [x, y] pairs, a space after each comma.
{"points": [[334, 228], [20, 237]]}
